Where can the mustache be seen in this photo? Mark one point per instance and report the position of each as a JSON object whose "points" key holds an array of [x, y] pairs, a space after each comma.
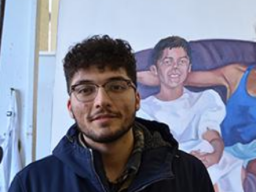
{"points": [[104, 112]]}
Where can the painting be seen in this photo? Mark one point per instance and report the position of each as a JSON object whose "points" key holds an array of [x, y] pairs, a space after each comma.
{"points": [[205, 91]]}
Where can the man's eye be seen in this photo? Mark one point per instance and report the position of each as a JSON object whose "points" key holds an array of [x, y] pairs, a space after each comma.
{"points": [[117, 87], [86, 90], [167, 62], [184, 61]]}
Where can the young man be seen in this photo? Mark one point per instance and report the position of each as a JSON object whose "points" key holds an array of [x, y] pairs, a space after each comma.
{"points": [[194, 118], [108, 149]]}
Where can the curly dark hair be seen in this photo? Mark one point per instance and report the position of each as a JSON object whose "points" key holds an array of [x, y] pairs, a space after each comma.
{"points": [[102, 52], [169, 42]]}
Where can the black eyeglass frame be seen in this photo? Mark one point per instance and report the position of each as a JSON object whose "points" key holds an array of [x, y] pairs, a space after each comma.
{"points": [[73, 87]]}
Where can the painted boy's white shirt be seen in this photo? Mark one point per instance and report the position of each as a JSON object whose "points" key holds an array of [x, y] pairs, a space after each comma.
{"points": [[188, 117]]}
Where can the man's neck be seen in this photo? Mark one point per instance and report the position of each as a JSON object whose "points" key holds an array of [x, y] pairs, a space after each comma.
{"points": [[115, 155], [170, 94]]}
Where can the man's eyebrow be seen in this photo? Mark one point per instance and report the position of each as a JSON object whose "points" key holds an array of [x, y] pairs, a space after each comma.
{"points": [[80, 82], [185, 56], [83, 81], [116, 78]]}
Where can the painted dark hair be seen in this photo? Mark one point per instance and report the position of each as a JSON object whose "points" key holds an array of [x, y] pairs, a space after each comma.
{"points": [[102, 52], [169, 42]]}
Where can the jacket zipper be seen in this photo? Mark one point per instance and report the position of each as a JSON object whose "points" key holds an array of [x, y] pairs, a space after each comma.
{"points": [[94, 171]]}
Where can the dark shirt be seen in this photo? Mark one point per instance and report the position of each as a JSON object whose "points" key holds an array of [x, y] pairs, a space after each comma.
{"points": [[124, 180]]}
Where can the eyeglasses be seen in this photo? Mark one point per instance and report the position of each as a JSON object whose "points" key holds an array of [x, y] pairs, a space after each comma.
{"points": [[181, 62], [87, 91]]}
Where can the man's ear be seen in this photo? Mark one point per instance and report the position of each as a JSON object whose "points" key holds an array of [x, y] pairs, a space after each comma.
{"points": [[137, 104], [70, 109], [153, 70]]}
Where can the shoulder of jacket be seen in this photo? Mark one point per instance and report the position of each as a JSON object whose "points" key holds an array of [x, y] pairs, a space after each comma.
{"points": [[44, 164]]}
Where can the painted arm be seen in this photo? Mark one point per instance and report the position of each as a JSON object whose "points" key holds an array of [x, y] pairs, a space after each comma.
{"points": [[216, 141], [205, 78], [212, 114], [147, 78], [228, 76]]}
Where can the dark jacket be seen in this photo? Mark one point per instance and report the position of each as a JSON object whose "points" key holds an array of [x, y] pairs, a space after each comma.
{"points": [[71, 169]]}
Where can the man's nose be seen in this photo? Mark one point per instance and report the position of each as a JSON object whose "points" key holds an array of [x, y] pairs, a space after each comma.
{"points": [[102, 98], [175, 64]]}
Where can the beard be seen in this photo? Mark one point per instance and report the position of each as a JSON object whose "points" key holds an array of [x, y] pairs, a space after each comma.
{"points": [[106, 138]]}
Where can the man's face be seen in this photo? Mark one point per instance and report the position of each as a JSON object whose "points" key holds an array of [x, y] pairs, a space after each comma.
{"points": [[173, 67], [109, 115]]}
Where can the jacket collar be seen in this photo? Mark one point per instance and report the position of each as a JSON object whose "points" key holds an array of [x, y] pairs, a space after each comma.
{"points": [[80, 159]]}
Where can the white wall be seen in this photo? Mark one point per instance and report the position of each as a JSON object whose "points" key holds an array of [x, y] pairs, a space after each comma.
{"points": [[143, 23], [18, 67], [46, 74]]}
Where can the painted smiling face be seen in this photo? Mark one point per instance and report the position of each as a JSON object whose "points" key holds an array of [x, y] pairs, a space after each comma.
{"points": [[173, 67]]}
